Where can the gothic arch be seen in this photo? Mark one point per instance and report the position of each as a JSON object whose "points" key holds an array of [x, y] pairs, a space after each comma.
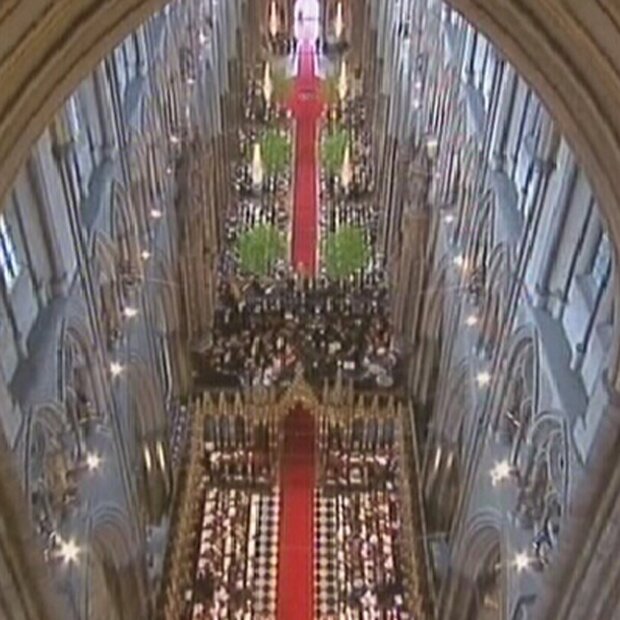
{"points": [[519, 389], [109, 298], [50, 453], [114, 555], [543, 475], [111, 535], [126, 234], [44, 422], [483, 561], [78, 384]]}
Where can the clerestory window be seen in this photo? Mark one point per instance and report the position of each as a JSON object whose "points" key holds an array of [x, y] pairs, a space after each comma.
{"points": [[8, 258]]}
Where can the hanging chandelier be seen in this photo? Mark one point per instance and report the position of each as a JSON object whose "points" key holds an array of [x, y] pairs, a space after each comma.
{"points": [[267, 84], [346, 174], [342, 81], [273, 19], [257, 167], [339, 22]]}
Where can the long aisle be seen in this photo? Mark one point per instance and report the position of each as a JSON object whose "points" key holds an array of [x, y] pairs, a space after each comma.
{"points": [[297, 479], [307, 110]]}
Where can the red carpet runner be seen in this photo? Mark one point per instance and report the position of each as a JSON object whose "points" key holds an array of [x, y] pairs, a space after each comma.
{"points": [[296, 566], [307, 109]]}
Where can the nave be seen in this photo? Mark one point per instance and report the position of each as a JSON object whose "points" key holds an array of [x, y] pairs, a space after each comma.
{"points": [[297, 501]]}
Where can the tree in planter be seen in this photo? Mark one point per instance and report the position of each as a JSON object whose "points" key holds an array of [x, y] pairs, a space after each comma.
{"points": [[259, 248], [275, 151], [346, 252], [332, 154]]}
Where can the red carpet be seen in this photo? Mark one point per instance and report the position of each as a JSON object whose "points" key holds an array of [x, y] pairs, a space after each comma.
{"points": [[307, 109], [296, 566]]}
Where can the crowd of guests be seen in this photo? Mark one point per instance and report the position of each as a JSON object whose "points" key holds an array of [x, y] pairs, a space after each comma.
{"points": [[235, 574], [358, 514], [262, 331], [369, 529], [277, 185], [340, 212], [256, 109], [240, 452], [220, 585], [251, 213], [352, 119], [235, 561], [358, 454]]}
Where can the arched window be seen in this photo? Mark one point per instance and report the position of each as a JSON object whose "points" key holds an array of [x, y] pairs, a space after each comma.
{"points": [[8, 257], [601, 265]]}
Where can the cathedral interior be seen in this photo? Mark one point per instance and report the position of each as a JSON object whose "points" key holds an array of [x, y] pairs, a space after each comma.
{"points": [[307, 310]]}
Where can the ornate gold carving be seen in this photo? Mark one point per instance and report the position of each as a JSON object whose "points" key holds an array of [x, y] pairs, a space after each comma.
{"points": [[300, 393]]}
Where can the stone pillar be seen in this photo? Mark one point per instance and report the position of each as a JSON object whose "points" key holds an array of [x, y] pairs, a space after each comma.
{"points": [[499, 139], [105, 107]]}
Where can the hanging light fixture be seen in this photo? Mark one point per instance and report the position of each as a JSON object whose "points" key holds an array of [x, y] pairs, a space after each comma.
{"points": [[522, 561], [471, 320], [161, 457], [273, 19], [267, 84], [339, 22], [257, 167], [483, 378], [346, 175], [342, 81], [130, 312], [69, 551], [93, 461], [148, 462], [432, 146], [116, 369], [501, 471]]}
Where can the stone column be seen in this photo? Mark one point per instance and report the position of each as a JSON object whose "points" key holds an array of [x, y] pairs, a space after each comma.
{"points": [[105, 107], [499, 138]]}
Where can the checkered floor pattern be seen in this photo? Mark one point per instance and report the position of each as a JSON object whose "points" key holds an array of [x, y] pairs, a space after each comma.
{"points": [[240, 529], [264, 569], [354, 549], [327, 575]]}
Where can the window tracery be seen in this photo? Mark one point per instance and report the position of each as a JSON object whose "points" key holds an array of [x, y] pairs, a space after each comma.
{"points": [[9, 267]]}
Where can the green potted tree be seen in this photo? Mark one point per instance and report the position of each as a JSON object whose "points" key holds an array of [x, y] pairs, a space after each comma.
{"points": [[259, 248], [275, 151], [345, 252], [333, 150]]}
